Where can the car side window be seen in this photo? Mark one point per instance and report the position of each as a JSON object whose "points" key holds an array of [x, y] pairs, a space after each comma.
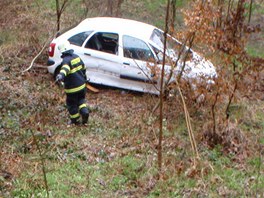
{"points": [[104, 41], [78, 39], [136, 49]]}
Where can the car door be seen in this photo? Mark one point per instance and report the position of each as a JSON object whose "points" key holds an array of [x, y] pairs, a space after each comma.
{"points": [[77, 42], [101, 53], [138, 60]]}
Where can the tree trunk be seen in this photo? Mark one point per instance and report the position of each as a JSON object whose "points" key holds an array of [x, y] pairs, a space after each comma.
{"points": [[59, 11], [173, 15], [109, 11], [250, 11], [161, 91], [58, 14], [118, 11]]}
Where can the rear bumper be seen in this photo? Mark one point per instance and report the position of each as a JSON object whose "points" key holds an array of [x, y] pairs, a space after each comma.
{"points": [[52, 65]]}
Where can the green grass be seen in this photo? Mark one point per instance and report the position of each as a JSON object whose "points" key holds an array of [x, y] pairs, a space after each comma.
{"points": [[76, 170], [116, 155], [77, 178], [255, 45], [64, 180], [255, 50]]}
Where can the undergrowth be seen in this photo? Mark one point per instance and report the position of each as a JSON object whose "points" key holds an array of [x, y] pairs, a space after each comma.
{"points": [[116, 154]]}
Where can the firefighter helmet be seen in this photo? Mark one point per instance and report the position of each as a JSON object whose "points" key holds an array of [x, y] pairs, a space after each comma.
{"points": [[65, 46]]}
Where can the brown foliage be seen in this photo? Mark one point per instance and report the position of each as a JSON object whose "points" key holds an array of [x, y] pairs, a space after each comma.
{"points": [[240, 76], [222, 32], [20, 19], [230, 137]]}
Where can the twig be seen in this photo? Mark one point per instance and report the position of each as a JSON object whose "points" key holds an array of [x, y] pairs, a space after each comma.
{"points": [[250, 11], [171, 73], [191, 40], [59, 11], [213, 112], [258, 169], [42, 163], [162, 92], [188, 123], [32, 62], [230, 100], [175, 65]]}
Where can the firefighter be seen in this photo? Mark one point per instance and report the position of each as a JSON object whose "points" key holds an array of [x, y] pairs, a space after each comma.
{"points": [[73, 76]]}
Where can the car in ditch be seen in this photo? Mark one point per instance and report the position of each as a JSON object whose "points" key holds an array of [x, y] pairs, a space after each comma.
{"points": [[128, 54]]}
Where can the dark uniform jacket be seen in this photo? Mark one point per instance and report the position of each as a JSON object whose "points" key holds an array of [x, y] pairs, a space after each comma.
{"points": [[73, 71]]}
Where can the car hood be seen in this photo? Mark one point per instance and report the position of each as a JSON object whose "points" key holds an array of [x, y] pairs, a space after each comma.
{"points": [[198, 67]]}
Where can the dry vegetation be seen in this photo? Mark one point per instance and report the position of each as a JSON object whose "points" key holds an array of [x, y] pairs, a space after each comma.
{"points": [[122, 137]]}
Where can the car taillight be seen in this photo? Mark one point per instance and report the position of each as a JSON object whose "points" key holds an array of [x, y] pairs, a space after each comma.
{"points": [[52, 49]]}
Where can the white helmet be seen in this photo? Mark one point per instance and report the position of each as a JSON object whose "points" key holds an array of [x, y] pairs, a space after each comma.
{"points": [[65, 46]]}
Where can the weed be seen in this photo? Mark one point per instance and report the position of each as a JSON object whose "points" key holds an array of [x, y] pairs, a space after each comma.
{"points": [[115, 155]]}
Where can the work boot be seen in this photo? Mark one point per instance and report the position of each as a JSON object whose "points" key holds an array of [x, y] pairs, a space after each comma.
{"points": [[85, 118], [73, 122], [85, 115]]}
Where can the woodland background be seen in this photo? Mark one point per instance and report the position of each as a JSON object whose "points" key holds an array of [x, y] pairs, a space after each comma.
{"points": [[133, 148]]}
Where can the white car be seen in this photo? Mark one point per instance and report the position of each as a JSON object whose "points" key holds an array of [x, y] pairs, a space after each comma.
{"points": [[127, 54]]}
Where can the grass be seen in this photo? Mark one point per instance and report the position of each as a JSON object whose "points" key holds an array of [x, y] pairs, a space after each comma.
{"points": [[72, 176], [255, 50], [255, 46], [97, 161], [116, 155], [107, 160]]}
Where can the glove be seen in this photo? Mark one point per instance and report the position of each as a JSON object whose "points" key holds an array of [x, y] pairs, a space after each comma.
{"points": [[59, 78]]}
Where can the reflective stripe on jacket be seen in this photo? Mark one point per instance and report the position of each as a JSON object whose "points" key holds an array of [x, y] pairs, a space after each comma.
{"points": [[73, 71]]}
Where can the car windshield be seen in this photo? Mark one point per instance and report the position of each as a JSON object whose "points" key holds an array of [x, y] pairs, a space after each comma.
{"points": [[174, 47]]}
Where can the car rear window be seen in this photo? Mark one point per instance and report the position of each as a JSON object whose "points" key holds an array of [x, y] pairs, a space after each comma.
{"points": [[78, 39]]}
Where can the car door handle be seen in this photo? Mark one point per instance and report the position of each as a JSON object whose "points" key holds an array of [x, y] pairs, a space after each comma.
{"points": [[125, 63], [87, 54]]}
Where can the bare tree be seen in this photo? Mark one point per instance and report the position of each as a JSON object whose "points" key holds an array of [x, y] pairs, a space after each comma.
{"points": [[161, 90], [114, 7], [250, 11], [60, 10], [109, 10], [173, 15], [118, 11]]}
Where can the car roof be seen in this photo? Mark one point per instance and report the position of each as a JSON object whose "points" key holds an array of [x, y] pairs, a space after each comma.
{"points": [[119, 25]]}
